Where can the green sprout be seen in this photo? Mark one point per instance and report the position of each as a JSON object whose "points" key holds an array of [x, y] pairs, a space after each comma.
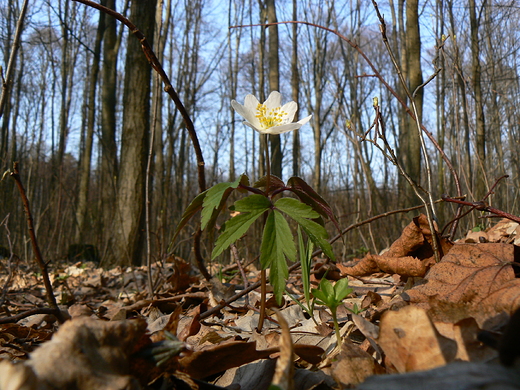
{"points": [[305, 251], [332, 296]]}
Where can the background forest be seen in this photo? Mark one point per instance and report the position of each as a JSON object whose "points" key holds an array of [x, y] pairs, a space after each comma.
{"points": [[82, 106]]}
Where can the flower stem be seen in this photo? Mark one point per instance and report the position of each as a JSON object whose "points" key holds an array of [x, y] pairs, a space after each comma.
{"points": [[263, 293], [263, 290], [268, 166], [336, 327]]}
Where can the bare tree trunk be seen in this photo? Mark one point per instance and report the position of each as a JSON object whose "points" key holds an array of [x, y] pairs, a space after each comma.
{"points": [[295, 88], [86, 156], [129, 219], [233, 80], [274, 84], [480, 187], [65, 94], [465, 161], [261, 88], [159, 198], [440, 86], [409, 141], [109, 161]]}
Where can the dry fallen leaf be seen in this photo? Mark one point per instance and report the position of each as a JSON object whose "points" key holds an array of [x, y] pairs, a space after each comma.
{"points": [[411, 342], [410, 255], [353, 365], [476, 278], [84, 354]]}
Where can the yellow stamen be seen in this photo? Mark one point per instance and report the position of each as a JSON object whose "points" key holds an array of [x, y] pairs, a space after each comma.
{"points": [[270, 117]]}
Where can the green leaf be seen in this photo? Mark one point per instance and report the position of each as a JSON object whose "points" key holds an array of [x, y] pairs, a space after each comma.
{"points": [[303, 214], [320, 296], [295, 209], [305, 262], [250, 209], [332, 295], [341, 289], [277, 243], [252, 203], [213, 199], [327, 287]]}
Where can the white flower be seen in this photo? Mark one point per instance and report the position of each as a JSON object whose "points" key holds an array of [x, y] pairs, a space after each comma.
{"points": [[270, 117]]}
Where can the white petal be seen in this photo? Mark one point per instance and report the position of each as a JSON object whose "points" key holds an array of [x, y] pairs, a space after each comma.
{"points": [[274, 100], [304, 120], [290, 108], [253, 127], [282, 128], [248, 115], [251, 102]]}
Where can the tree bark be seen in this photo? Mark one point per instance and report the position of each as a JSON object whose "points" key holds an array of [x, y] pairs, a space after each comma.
{"points": [[295, 88], [480, 185], [86, 156], [274, 84], [136, 127], [109, 159], [409, 141]]}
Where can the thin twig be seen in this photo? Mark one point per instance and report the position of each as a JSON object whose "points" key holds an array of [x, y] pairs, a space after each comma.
{"points": [[36, 249], [28, 313], [482, 205]]}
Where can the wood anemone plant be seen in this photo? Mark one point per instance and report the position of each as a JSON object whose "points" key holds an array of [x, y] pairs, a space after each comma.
{"points": [[278, 242]]}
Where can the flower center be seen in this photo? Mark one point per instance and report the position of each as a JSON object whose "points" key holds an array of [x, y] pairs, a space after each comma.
{"points": [[270, 117]]}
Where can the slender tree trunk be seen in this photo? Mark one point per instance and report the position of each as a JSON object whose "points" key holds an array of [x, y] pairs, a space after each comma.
{"points": [[409, 141], [274, 84], [440, 86], [86, 157], [480, 188], [261, 89], [109, 160], [64, 69], [129, 217], [463, 147], [295, 88]]}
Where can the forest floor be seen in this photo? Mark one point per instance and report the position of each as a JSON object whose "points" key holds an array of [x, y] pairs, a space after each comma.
{"points": [[448, 324]]}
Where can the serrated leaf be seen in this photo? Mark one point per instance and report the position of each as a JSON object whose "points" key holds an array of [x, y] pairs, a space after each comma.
{"points": [[295, 208], [308, 196], [275, 183], [303, 214], [251, 208], [252, 203], [277, 243], [213, 200]]}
